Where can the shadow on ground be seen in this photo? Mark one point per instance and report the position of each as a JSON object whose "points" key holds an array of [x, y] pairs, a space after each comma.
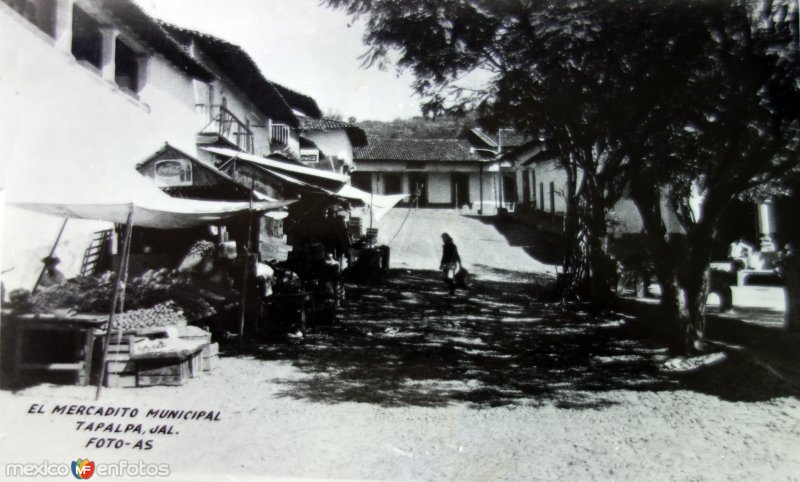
{"points": [[544, 246], [403, 341]]}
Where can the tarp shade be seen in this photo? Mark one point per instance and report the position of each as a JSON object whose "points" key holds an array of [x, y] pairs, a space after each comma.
{"points": [[277, 165], [109, 198], [184, 213], [379, 204]]}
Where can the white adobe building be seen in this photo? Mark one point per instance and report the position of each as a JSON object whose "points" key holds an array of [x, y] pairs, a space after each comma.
{"points": [[444, 172], [92, 87]]}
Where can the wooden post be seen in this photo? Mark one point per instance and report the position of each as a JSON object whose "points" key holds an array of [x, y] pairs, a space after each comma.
{"points": [[480, 186], [246, 267], [52, 252], [118, 287]]}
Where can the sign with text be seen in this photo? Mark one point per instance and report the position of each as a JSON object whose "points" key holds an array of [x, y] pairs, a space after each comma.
{"points": [[173, 172]]}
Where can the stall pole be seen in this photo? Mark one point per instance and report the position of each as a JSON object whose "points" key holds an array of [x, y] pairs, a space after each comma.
{"points": [[119, 290], [52, 252], [371, 208], [246, 267], [480, 186]]}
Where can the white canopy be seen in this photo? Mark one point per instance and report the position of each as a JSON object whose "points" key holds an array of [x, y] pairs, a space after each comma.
{"points": [[110, 199], [379, 204], [283, 166]]}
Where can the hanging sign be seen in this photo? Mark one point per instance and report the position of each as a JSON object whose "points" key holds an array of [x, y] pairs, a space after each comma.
{"points": [[173, 172]]}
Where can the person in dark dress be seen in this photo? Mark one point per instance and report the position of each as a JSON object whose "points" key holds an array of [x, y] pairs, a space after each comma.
{"points": [[450, 263]]}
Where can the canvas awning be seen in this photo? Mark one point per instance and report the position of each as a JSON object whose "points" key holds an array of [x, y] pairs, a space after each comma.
{"points": [[111, 200], [379, 204], [280, 166]]}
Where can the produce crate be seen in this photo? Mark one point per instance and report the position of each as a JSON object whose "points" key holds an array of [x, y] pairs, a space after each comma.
{"points": [[120, 380], [196, 364], [173, 372], [120, 369], [210, 357], [194, 333]]}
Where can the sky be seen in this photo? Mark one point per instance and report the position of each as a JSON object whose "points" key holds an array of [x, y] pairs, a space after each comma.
{"points": [[306, 47]]}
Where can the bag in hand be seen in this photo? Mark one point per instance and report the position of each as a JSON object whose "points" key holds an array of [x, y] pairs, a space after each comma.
{"points": [[462, 277]]}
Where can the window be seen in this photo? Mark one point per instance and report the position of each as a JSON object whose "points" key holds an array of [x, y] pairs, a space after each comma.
{"points": [[87, 40], [362, 180], [392, 183], [126, 68], [280, 134], [41, 13], [552, 197], [541, 196]]}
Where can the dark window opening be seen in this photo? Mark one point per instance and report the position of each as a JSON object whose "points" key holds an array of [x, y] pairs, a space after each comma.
{"points": [[510, 189], [460, 189], [87, 41], [419, 190], [126, 68], [552, 197], [541, 196], [361, 180], [41, 13], [393, 183], [526, 188]]}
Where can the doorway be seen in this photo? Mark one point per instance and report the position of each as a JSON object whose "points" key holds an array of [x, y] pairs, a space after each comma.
{"points": [[418, 184], [460, 192]]}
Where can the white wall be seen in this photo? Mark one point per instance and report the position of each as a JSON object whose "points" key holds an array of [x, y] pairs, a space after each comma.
{"points": [[489, 192], [333, 143], [62, 124], [547, 172], [440, 188]]}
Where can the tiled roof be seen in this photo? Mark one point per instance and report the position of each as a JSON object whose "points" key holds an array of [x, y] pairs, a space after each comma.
{"points": [[358, 138], [409, 150], [237, 65], [298, 101], [510, 138], [154, 33]]}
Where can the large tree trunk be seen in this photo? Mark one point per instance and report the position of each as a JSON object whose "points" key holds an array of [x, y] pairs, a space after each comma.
{"points": [[791, 274], [600, 263], [648, 201], [695, 283], [572, 279]]}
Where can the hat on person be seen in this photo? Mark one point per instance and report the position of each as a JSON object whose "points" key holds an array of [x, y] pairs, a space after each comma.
{"points": [[50, 260]]}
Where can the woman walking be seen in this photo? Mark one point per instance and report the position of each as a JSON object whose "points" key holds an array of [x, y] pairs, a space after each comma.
{"points": [[451, 262]]}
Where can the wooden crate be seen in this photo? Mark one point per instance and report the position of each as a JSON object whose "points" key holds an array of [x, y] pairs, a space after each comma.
{"points": [[211, 363], [172, 372], [121, 380], [210, 357], [196, 364], [194, 333], [120, 369]]}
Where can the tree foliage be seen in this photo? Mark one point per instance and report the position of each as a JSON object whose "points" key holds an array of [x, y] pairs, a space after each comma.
{"points": [[685, 103]]}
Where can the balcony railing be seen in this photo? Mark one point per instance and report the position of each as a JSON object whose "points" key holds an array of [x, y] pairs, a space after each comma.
{"points": [[279, 135], [227, 125]]}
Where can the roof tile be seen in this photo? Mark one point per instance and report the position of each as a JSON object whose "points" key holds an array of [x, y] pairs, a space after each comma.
{"points": [[411, 150]]}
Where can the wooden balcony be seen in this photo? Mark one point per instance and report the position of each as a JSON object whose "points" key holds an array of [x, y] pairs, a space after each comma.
{"points": [[225, 125]]}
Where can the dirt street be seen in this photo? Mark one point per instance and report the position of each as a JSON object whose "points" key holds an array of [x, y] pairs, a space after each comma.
{"points": [[413, 385]]}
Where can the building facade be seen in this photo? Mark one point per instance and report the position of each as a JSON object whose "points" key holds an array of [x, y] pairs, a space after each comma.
{"points": [[92, 87], [435, 172]]}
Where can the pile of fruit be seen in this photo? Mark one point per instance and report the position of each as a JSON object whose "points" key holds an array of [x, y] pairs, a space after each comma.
{"points": [[160, 315], [149, 346], [148, 291]]}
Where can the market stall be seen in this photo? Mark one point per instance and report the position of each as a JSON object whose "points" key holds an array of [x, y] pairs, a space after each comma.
{"points": [[131, 201]]}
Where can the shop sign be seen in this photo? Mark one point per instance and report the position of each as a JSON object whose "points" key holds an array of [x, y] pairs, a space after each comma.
{"points": [[173, 172], [309, 155]]}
